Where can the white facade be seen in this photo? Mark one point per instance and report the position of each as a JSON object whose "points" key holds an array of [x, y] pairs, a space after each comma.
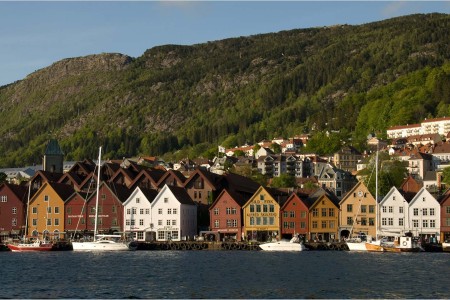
{"points": [[439, 125], [137, 215], [174, 215], [394, 214], [425, 212]]}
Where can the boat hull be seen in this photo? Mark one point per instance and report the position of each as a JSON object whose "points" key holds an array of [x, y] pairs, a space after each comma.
{"points": [[282, 246], [364, 246], [99, 246], [29, 247], [446, 246]]}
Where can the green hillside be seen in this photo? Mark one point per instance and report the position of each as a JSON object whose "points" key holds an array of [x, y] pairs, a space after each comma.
{"points": [[356, 79]]}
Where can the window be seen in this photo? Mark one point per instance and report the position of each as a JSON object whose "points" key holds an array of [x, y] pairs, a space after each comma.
{"points": [[331, 224], [46, 198], [349, 220], [69, 210], [34, 222], [234, 223], [400, 210], [331, 212], [364, 221], [174, 222], [141, 222], [261, 197], [400, 222], [147, 211], [415, 223], [324, 212], [265, 208], [159, 211], [264, 220], [303, 214], [383, 221], [138, 200], [128, 211], [324, 224], [291, 224], [127, 222], [391, 221], [271, 208], [252, 208], [447, 210], [4, 198], [285, 225], [14, 222], [425, 223], [292, 214], [432, 223], [168, 222], [258, 220], [363, 208], [252, 221], [391, 209], [424, 212], [216, 211], [285, 214], [371, 209], [315, 212], [228, 211], [271, 220], [133, 222], [166, 200], [14, 210], [56, 222], [49, 221], [49, 209], [141, 211], [133, 210], [314, 224], [415, 211], [303, 225], [169, 211], [69, 221], [371, 221], [349, 207], [161, 235], [431, 211], [384, 209], [160, 223], [258, 208], [233, 211]]}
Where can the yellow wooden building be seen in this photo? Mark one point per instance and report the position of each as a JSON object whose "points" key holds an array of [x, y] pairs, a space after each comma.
{"points": [[262, 215], [46, 211], [323, 216], [358, 213]]}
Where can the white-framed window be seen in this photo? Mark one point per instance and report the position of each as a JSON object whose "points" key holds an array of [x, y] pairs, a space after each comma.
{"points": [[168, 222], [174, 211], [56, 222], [141, 222], [133, 210], [415, 223], [169, 211], [14, 222], [424, 212], [400, 209], [166, 200], [415, 211], [234, 223], [160, 211], [228, 211], [138, 200], [46, 197], [4, 198], [14, 210], [400, 222], [56, 210], [216, 211], [174, 222], [390, 221], [432, 223], [147, 211], [384, 209], [141, 211], [160, 222], [391, 209], [216, 223], [432, 211], [383, 221], [161, 235], [127, 222], [128, 211], [49, 221]]}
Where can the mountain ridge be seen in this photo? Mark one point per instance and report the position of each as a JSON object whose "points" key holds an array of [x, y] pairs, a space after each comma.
{"points": [[233, 90]]}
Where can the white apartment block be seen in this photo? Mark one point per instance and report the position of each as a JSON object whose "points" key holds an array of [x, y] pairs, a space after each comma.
{"points": [[440, 126]]}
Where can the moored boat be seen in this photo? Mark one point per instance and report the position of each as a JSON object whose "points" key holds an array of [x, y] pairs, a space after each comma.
{"points": [[403, 244], [37, 245], [293, 245], [446, 246]]}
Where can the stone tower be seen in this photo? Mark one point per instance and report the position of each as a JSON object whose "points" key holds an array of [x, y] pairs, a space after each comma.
{"points": [[53, 157]]}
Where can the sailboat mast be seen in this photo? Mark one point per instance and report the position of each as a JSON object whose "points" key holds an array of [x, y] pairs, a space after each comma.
{"points": [[98, 190], [376, 194], [28, 207]]}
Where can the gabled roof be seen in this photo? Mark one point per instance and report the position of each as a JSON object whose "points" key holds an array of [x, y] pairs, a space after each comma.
{"points": [[153, 175], [121, 192], [392, 191], [48, 176], [179, 177], [239, 198], [422, 191], [295, 195], [409, 188], [353, 190], [20, 191], [181, 195], [318, 194], [211, 179], [149, 194], [238, 183]]}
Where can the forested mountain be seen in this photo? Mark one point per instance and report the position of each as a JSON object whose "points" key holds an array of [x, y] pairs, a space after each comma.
{"points": [[356, 79]]}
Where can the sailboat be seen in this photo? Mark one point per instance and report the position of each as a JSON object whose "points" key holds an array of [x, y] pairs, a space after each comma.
{"points": [[365, 243], [102, 242], [37, 244]]}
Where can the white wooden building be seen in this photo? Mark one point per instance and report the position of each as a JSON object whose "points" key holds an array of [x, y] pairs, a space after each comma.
{"points": [[393, 212], [174, 214], [137, 212], [424, 214]]}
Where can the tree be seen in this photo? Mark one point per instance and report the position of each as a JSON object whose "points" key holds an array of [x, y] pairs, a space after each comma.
{"points": [[446, 176], [3, 177], [284, 181], [276, 148]]}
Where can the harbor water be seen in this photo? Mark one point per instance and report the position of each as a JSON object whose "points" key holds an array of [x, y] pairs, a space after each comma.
{"points": [[224, 274]]}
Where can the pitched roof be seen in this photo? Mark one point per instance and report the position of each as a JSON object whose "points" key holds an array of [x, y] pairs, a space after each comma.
{"points": [[181, 195], [53, 148], [64, 191]]}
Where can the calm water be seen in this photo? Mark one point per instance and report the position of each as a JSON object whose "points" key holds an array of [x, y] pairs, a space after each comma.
{"points": [[224, 274]]}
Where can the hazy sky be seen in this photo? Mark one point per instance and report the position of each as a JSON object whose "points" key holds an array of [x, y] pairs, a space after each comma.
{"points": [[35, 34]]}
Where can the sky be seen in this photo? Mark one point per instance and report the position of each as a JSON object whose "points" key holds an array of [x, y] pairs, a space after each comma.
{"points": [[35, 34]]}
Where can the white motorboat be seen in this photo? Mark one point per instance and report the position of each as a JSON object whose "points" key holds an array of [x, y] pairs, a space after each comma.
{"points": [[104, 242], [293, 245]]}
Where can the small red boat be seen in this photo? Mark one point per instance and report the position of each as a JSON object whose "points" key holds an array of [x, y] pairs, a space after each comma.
{"points": [[35, 246]]}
